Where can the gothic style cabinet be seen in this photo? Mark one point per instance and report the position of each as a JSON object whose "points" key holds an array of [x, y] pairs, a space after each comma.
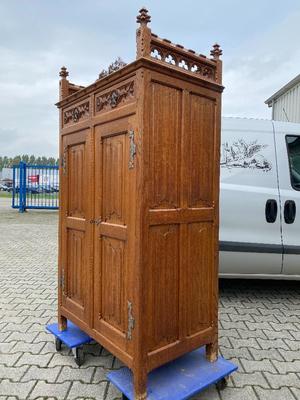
{"points": [[138, 247]]}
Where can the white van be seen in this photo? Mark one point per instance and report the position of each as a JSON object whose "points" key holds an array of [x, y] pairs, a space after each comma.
{"points": [[260, 199]]}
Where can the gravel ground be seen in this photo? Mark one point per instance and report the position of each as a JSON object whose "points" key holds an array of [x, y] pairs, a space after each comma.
{"points": [[259, 327]]}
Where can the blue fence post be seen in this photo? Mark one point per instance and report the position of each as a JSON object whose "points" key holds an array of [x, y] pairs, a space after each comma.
{"points": [[22, 187], [14, 186]]}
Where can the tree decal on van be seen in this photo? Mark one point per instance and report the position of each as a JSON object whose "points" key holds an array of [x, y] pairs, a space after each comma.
{"points": [[241, 154]]}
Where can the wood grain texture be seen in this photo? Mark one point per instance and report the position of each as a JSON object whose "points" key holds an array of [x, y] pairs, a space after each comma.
{"points": [[165, 146], [76, 279], [111, 275], [76, 252], [162, 286], [76, 178], [113, 179], [200, 150], [139, 216], [112, 281], [198, 275]]}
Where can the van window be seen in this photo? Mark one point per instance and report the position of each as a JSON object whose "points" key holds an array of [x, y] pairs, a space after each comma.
{"points": [[293, 146]]}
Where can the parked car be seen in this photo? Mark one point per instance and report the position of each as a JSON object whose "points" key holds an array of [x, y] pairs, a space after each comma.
{"points": [[30, 189], [3, 187], [260, 199], [55, 187], [45, 189]]}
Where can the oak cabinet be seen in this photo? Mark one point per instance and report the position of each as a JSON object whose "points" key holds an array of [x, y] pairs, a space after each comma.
{"points": [[138, 242]]}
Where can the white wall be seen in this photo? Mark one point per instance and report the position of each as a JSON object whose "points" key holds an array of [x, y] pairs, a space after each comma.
{"points": [[290, 102]]}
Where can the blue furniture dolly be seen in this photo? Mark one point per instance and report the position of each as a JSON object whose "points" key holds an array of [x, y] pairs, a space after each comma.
{"points": [[179, 379], [72, 337]]}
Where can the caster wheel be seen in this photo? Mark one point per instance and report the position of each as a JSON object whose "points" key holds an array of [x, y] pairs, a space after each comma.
{"points": [[221, 384], [58, 344], [78, 356]]}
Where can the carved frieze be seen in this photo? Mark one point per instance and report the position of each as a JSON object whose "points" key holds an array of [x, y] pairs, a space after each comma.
{"points": [[176, 59], [112, 99], [77, 113]]}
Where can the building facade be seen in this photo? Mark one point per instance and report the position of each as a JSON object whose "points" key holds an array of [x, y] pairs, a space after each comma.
{"points": [[285, 102]]}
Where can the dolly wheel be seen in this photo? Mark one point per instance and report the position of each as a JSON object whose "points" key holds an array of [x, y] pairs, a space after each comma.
{"points": [[58, 344], [124, 397], [79, 356], [222, 383]]}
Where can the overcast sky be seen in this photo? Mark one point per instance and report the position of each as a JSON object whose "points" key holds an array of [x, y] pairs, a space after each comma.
{"points": [[259, 39]]}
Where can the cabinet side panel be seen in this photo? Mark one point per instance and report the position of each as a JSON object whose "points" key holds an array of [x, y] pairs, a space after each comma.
{"points": [[162, 282], [165, 146], [201, 151], [199, 272]]}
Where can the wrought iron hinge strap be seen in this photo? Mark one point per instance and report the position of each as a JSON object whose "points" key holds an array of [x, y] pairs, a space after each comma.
{"points": [[131, 320], [64, 161], [132, 149], [62, 280]]}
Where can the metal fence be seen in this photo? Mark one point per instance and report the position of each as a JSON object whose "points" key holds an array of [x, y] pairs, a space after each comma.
{"points": [[35, 187]]}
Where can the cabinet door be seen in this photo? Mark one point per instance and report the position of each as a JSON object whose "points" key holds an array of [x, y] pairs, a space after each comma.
{"points": [[112, 193], [76, 230]]}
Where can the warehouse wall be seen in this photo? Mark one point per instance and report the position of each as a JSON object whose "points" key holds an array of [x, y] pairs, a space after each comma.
{"points": [[287, 106]]}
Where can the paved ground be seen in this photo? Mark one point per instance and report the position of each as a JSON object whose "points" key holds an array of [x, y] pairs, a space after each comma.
{"points": [[259, 327]]}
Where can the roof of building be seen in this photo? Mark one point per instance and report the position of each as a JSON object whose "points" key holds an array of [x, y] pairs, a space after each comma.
{"points": [[284, 89]]}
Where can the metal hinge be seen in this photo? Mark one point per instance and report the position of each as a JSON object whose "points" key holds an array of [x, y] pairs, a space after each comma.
{"points": [[62, 281], [132, 149], [131, 321], [64, 161]]}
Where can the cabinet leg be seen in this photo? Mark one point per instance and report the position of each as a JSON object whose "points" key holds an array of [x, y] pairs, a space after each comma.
{"points": [[212, 351], [62, 323], [140, 385]]}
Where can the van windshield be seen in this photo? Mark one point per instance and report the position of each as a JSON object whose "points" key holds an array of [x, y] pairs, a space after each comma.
{"points": [[293, 145]]}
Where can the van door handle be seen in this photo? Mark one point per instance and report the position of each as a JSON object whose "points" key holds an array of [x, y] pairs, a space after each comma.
{"points": [[271, 210], [289, 211]]}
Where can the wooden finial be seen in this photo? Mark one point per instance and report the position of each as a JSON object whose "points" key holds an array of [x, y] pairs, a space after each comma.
{"points": [[216, 52], [63, 83], [63, 73], [143, 18], [143, 34]]}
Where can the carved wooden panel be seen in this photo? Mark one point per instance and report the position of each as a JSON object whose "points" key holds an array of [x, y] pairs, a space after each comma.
{"points": [[199, 272], [76, 278], [177, 56], [162, 285], [200, 151], [113, 282], [76, 180], [113, 179], [165, 135], [114, 98], [76, 113]]}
